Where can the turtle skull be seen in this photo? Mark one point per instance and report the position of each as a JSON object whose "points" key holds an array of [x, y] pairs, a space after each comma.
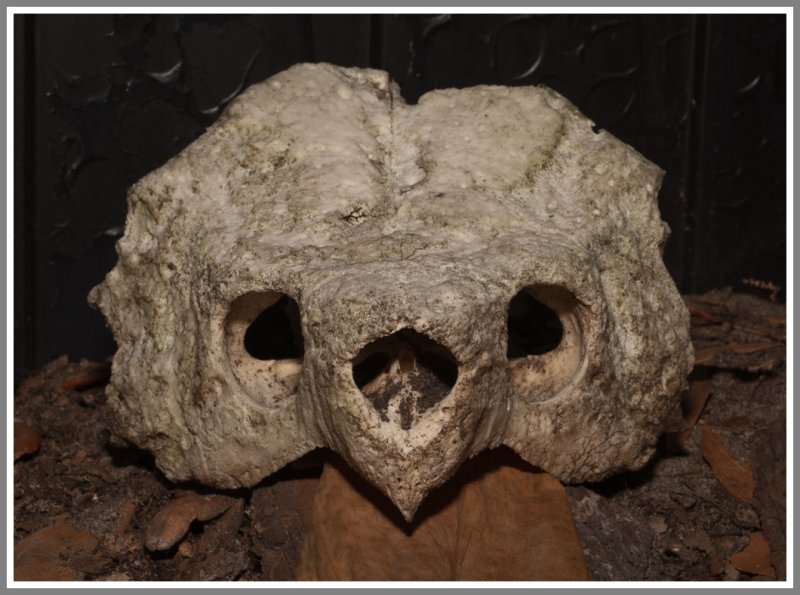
{"points": [[407, 285]]}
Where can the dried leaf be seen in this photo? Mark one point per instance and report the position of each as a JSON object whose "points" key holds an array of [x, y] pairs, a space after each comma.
{"points": [[701, 312], [767, 334], [48, 554], [26, 440], [171, 523], [705, 355], [693, 405], [745, 348], [88, 379], [754, 559], [732, 473], [490, 522], [704, 299]]}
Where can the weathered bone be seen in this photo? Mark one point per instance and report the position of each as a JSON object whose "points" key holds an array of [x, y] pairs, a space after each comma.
{"points": [[387, 220]]}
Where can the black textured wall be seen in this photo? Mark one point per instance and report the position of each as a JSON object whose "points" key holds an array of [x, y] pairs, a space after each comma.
{"points": [[102, 100]]}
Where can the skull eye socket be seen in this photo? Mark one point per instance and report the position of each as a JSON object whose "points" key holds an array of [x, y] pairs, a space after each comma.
{"points": [[264, 343], [533, 328], [275, 333], [545, 341]]}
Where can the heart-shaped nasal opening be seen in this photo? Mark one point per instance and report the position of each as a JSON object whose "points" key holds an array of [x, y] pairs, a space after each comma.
{"points": [[404, 375]]}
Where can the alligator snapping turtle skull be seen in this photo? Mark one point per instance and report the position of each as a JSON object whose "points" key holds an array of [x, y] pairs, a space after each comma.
{"points": [[407, 285]]}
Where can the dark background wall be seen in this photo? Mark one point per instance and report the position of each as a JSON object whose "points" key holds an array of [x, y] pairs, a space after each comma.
{"points": [[102, 100]]}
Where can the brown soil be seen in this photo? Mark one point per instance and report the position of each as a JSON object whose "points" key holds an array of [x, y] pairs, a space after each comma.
{"points": [[710, 506]]}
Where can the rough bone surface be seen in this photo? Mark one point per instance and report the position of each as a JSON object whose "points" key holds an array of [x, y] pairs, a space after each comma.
{"points": [[393, 263]]}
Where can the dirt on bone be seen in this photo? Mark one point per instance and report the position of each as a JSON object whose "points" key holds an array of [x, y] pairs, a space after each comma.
{"points": [[418, 390], [684, 523], [409, 382]]}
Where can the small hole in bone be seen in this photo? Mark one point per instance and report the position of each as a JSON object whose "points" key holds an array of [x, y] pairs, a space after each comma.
{"points": [[533, 328], [275, 334], [404, 374]]}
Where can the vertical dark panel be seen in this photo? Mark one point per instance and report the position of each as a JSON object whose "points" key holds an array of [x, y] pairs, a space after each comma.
{"points": [[24, 197], [341, 39], [80, 181], [739, 216], [666, 96], [284, 41], [696, 147]]}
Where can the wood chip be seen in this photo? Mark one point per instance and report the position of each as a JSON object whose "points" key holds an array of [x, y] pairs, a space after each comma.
{"points": [[754, 559], [732, 473], [171, 523], [26, 440]]}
